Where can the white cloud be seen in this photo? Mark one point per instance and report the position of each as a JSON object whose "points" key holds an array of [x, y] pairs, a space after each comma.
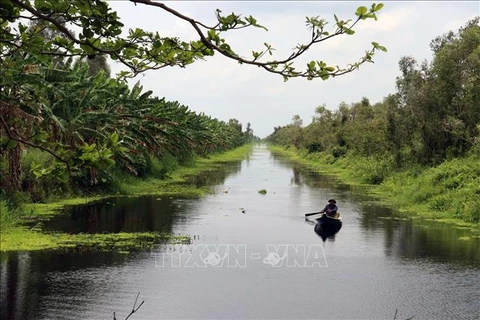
{"points": [[390, 20]]}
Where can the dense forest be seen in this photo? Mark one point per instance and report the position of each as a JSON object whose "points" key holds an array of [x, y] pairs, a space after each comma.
{"points": [[67, 126], [421, 142], [64, 127]]}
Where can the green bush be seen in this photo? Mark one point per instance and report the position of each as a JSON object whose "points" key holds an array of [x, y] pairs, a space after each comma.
{"points": [[160, 168], [441, 202], [8, 215], [38, 180], [338, 152], [372, 170], [452, 187], [314, 147], [329, 159]]}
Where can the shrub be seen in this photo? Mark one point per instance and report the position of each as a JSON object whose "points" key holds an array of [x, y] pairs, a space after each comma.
{"points": [[8, 215], [441, 202], [40, 176], [372, 170], [160, 168], [314, 147], [338, 151]]}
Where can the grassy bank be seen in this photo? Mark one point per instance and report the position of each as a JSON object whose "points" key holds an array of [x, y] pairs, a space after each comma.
{"points": [[449, 192], [16, 236]]}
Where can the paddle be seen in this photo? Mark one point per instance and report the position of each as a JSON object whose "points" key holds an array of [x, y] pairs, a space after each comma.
{"points": [[311, 214]]}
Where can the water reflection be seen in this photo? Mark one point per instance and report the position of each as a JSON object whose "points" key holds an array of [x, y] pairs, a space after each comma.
{"points": [[114, 215], [432, 241], [378, 263], [24, 280], [325, 233], [216, 176], [411, 239], [135, 214]]}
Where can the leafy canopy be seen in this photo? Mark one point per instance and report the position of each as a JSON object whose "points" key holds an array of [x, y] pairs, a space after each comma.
{"points": [[102, 32]]}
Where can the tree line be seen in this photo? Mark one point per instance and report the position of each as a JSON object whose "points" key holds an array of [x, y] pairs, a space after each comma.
{"points": [[62, 124], [433, 116]]}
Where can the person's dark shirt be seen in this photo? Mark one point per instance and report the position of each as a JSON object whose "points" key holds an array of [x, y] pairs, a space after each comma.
{"points": [[330, 209]]}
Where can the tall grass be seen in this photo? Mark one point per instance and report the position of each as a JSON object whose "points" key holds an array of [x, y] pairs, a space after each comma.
{"points": [[451, 189], [7, 218], [369, 170]]}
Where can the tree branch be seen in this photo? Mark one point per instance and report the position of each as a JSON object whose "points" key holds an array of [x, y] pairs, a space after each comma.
{"points": [[269, 66], [134, 308], [142, 50]]}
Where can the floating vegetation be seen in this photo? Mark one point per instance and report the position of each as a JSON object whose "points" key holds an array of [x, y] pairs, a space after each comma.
{"points": [[118, 241], [20, 238], [393, 218]]}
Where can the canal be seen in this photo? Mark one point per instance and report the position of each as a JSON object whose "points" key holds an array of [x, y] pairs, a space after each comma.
{"points": [[251, 256]]}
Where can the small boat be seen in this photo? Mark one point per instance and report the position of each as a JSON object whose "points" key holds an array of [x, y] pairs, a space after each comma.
{"points": [[327, 226]]}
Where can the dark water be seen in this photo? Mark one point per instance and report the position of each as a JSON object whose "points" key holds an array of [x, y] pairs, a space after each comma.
{"points": [[253, 256]]}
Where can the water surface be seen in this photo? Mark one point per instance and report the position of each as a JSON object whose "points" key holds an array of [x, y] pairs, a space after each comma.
{"points": [[372, 267]]}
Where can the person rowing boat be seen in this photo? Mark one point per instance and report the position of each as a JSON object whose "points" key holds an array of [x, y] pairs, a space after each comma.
{"points": [[331, 208]]}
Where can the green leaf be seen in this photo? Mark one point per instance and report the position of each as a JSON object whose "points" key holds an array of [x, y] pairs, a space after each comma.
{"points": [[114, 138], [382, 48], [87, 33], [378, 7], [87, 49], [361, 11], [225, 47]]}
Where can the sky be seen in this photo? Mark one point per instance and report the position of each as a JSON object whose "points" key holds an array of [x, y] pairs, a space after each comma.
{"points": [[223, 89]]}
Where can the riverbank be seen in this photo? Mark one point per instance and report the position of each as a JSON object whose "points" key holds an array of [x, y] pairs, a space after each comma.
{"points": [[424, 195], [15, 235]]}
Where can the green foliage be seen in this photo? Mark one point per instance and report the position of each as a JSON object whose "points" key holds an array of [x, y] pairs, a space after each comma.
{"points": [[433, 116], [262, 191], [441, 202], [338, 151], [41, 175], [314, 147], [160, 168], [452, 188], [101, 33], [370, 170], [93, 126], [7, 218], [23, 239]]}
